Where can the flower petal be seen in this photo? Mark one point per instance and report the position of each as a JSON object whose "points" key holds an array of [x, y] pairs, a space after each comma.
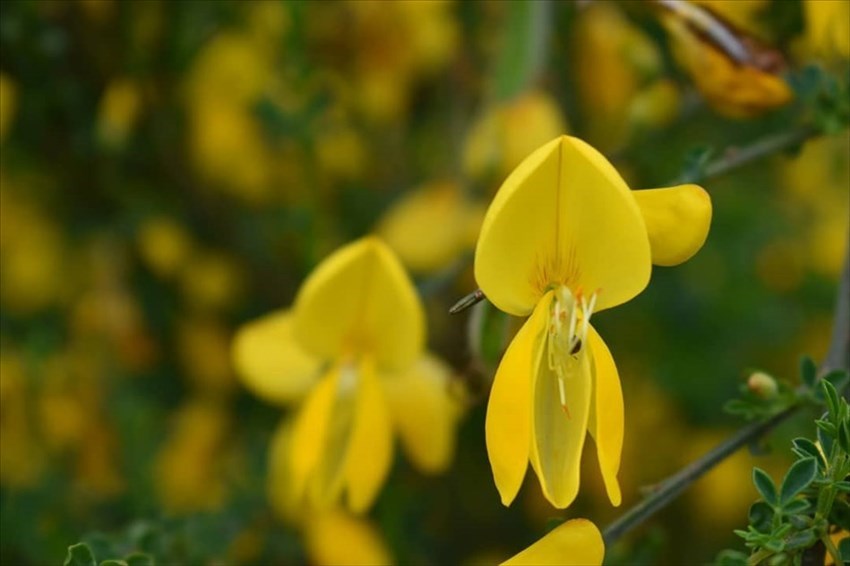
{"points": [[606, 422], [310, 433], [279, 482], [508, 425], [270, 362], [425, 413], [519, 226], [558, 435], [335, 538], [563, 216], [361, 298], [677, 220], [574, 543], [371, 450]]}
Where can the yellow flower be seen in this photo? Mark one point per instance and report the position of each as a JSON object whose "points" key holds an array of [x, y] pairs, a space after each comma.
{"points": [[574, 543], [565, 237], [357, 321], [440, 203], [738, 76]]}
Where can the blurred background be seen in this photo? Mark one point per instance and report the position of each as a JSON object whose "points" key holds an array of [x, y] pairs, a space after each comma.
{"points": [[171, 170]]}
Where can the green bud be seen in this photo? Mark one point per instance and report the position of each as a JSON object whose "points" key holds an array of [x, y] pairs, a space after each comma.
{"points": [[762, 385]]}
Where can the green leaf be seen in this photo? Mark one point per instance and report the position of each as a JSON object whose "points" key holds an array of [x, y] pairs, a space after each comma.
{"points": [[523, 50], [808, 371], [765, 486], [796, 506], [761, 516], [825, 436], [844, 549], [805, 448], [831, 396], [738, 407], [838, 378], [840, 513], [844, 436], [731, 558], [775, 545], [113, 562], [803, 539], [798, 478], [79, 555], [139, 559], [842, 485]]}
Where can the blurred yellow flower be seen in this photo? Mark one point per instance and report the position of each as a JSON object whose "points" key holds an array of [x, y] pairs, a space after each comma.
{"points": [[332, 535], [33, 263], [118, 111], [508, 131], [202, 344], [164, 245], [574, 543], [358, 316], [8, 103], [617, 68], [816, 181], [22, 457], [408, 226], [335, 538], [828, 27], [738, 76], [189, 469], [397, 42], [563, 238], [211, 280]]}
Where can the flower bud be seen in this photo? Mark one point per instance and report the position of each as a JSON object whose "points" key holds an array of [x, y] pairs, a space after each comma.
{"points": [[762, 385]]}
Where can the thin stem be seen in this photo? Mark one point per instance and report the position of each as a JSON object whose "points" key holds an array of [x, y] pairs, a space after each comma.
{"points": [[830, 548], [733, 157], [671, 487]]}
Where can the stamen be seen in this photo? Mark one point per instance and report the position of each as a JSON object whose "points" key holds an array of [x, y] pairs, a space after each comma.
{"points": [[566, 342]]}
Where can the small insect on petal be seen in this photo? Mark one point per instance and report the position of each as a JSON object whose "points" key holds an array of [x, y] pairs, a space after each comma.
{"points": [[468, 301]]}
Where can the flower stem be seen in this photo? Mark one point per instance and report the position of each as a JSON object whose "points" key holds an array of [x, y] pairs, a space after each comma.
{"points": [[734, 157], [831, 549], [669, 489]]}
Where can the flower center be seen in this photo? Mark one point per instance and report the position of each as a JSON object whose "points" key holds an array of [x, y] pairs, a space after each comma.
{"points": [[569, 319]]}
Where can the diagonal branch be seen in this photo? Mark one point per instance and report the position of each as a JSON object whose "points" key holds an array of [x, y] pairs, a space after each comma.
{"points": [[670, 488]]}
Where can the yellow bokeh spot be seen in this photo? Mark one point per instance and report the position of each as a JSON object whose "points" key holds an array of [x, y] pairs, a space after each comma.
{"points": [[188, 471], [118, 111], [8, 103], [164, 245], [507, 132], [408, 227]]}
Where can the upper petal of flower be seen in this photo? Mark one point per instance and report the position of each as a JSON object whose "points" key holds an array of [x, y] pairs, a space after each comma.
{"points": [[677, 220], [360, 299], [574, 543], [606, 422], [424, 412], [508, 425], [564, 216], [269, 361]]}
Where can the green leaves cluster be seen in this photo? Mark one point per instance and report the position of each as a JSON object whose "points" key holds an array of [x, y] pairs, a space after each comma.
{"points": [[753, 406], [811, 502], [825, 96]]}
